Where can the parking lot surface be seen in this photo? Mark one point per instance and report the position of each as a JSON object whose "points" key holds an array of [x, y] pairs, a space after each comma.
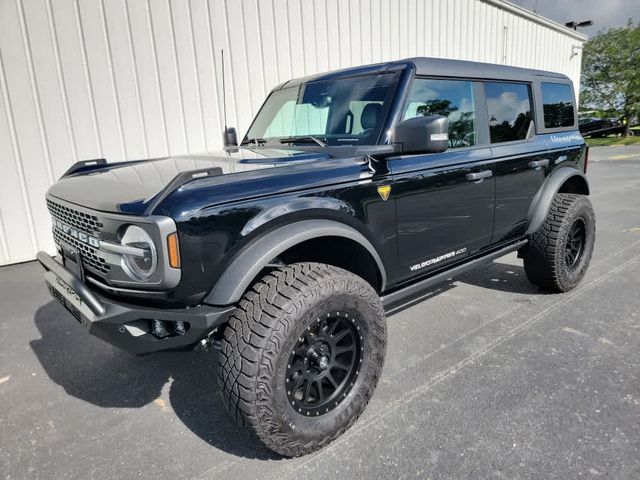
{"points": [[487, 378]]}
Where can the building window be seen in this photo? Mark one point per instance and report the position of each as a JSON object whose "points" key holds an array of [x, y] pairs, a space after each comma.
{"points": [[450, 98], [558, 105], [509, 107]]}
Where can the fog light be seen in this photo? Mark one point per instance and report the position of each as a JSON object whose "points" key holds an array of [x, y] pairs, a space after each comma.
{"points": [[159, 329], [180, 328], [165, 328]]}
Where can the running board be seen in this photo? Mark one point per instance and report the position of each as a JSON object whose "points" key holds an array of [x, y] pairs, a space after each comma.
{"points": [[407, 296]]}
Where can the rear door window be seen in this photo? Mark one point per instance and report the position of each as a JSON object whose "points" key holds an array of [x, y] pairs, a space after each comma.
{"points": [[450, 98], [509, 108], [558, 105]]}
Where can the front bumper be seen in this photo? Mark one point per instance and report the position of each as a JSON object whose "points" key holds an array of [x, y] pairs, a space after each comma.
{"points": [[127, 326]]}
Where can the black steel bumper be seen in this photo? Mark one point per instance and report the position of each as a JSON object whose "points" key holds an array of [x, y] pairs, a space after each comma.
{"points": [[124, 325]]}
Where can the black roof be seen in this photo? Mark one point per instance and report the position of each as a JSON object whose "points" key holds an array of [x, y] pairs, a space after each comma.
{"points": [[441, 67]]}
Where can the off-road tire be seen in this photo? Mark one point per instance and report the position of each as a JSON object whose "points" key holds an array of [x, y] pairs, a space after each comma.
{"points": [[544, 256], [258, 340]]}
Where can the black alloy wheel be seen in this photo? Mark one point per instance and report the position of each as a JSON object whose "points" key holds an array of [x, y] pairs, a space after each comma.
{"points": [[324, 364]]}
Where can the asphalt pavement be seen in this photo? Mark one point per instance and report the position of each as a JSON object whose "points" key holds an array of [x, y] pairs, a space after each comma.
{"points": [[487, 378]]}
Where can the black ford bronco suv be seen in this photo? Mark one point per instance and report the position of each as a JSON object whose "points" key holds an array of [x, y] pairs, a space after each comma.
{"points": [[352, 194]]}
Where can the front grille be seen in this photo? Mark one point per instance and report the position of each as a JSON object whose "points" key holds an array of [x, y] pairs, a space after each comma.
{"points": [[84, 222], [74, 218]]}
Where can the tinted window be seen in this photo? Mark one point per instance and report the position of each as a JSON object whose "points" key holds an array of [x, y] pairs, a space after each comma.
{"points": [[557, 104], [298, 119], [509, 107], [450, 98], [343, 111], [363, 116]]}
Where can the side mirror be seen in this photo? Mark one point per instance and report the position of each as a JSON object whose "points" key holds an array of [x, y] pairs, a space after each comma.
{"points": [[422, 134], [230, 137]]}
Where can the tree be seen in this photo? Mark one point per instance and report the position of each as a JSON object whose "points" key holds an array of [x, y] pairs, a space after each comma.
{"points": [[611, 72], [437, 107], [461, 131]]}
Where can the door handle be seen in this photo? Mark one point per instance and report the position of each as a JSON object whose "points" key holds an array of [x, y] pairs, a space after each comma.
{"points": [[539, 163], [479, 176]]}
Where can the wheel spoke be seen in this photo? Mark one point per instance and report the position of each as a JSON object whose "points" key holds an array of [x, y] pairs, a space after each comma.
{"points": [[341, 366], [332, 380], [320, 390], [333, 327], [341, 335], [307, 392], [348, 348], [298, 383]]}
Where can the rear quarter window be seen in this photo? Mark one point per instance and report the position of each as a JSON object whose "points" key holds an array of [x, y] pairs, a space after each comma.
{"points": [[558, 105]]}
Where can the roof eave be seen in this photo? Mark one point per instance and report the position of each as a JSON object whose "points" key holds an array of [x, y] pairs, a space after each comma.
{"points": [[529, 15]]}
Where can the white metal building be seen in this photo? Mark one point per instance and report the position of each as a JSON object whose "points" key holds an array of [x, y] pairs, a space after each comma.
{"points": [[125, 79]]}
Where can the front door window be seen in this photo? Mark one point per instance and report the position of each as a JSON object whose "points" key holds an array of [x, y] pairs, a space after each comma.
{"points": [[450, 98]]}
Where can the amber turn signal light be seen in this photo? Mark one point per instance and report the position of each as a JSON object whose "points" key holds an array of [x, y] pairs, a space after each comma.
{"points": [[174, 250]]}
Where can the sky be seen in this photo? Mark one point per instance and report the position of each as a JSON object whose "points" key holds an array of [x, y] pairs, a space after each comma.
{"points": [[604, 13]]}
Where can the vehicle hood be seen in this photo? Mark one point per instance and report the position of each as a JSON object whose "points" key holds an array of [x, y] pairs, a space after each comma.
{"points": [[130, 187]]}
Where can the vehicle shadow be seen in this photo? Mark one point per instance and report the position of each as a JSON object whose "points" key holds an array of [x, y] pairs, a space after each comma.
{"points": [[501, 276], [93, 371]]}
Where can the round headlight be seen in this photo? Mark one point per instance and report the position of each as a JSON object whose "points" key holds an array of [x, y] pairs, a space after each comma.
{"points": [[143, 265]]}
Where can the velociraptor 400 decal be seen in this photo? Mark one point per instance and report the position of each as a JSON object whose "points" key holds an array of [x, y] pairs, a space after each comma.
{"points": [[438, 259]]}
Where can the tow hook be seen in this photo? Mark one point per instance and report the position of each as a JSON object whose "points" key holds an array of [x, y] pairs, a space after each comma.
{"points": [[204, 345], [208, 342]]}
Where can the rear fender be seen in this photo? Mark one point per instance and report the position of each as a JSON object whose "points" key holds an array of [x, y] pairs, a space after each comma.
{"points": [[542, 201]]}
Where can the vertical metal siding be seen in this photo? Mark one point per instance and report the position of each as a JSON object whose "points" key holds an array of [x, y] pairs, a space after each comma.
{"points": [[124, 79]]}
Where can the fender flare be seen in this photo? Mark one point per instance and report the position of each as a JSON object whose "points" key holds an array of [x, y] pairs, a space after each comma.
{"points": [[247, 264], [542, 201]]}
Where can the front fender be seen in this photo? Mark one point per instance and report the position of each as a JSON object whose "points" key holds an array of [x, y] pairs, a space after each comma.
{"points": [[298, 205], [542, 201], [247, 265]]}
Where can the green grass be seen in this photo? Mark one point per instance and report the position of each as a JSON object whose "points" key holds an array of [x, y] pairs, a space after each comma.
{"points": [[613, 141]]}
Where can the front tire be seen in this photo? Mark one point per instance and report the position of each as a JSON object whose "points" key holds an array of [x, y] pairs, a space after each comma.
{"points": [[558, 253], [302, 355]]}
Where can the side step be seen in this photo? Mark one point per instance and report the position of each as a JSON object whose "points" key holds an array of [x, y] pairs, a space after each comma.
{"points": [[405, 297]]}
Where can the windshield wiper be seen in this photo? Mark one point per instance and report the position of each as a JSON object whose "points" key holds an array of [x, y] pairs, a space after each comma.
{"points": [[254, 141], [305, 138]]}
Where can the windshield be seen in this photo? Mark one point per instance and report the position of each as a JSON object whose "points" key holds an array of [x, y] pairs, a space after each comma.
{"points": [[348, 111]]}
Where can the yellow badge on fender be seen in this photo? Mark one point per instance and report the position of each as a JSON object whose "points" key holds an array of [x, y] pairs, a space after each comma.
{"points": [[384, 191]]}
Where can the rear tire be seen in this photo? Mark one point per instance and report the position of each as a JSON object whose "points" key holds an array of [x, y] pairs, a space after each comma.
{"points": [[295, 328], [558, 253]]}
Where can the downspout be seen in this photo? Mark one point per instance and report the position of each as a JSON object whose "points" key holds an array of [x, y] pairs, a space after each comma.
{"points": [[505, 35]]}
